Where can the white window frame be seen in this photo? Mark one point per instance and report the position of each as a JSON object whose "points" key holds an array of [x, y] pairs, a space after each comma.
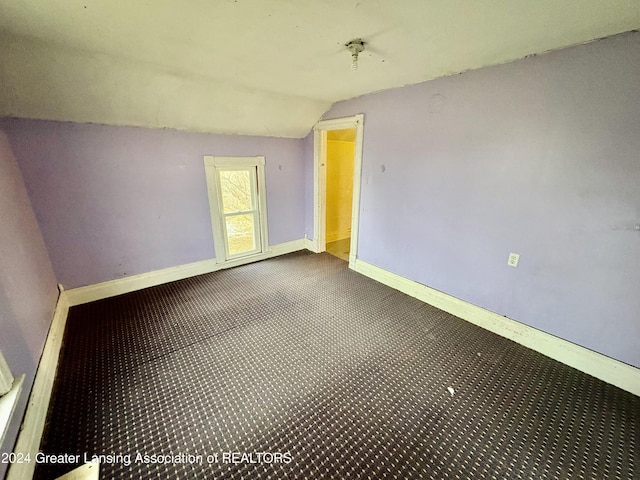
{"points": [[214, 165], [6, 378], [10, 389]]}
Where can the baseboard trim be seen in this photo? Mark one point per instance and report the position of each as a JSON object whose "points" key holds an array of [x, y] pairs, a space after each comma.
{"points": [[310, 245], [287, 247], [36, 414], [111, 288], [595, 364]]}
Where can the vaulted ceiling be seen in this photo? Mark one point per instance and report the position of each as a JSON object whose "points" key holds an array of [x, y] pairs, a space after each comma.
{"points": [[261, 67]]}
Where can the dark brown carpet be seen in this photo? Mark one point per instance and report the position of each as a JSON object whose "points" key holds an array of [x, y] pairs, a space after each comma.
{"points": [[315, 371]]}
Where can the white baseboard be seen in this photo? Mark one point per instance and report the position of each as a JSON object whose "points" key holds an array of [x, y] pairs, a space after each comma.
{"points": [[311, 245], [33, 425], [111, 288], [595, 364], [287, 247]]}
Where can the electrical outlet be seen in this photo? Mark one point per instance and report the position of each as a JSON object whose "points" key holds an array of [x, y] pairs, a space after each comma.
{"points": [[513, 259]]}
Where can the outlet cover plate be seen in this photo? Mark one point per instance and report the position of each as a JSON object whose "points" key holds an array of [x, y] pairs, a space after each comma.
{"points": [[514, 258]]}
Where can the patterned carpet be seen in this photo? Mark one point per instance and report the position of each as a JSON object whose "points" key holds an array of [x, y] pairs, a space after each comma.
{"points": [[299, 368]]}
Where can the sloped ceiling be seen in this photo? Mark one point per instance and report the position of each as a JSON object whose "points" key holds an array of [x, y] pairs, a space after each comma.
{"points": [[261, 67]]}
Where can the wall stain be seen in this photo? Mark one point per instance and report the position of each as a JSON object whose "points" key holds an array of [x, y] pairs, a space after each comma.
{"points": [[435, 104], [626, 228]]}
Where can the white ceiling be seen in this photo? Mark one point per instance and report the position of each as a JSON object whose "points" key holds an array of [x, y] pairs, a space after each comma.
{"points": [[263, 67]]}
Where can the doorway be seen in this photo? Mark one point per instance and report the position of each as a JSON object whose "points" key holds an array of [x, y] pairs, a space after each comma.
{"points": [[340, 159], [337, 168]]}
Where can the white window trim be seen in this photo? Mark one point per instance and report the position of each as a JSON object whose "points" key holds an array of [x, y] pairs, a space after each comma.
{"points": [[212, 165], [10, 389], [6, 378]]}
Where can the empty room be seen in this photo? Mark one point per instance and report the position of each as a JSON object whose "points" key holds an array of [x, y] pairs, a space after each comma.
{"points": [[273, 239]]}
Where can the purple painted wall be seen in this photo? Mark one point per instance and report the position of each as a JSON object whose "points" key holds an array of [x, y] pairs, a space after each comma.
{"points": [[28, 290], [119, 201], [539, 157]]}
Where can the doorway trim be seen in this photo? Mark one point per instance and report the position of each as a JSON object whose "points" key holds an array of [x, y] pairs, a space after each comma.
{"points": [[320, 181]]}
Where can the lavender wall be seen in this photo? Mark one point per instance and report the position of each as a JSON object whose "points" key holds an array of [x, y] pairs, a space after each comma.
{"points": [[28, 289], [119, 201], [538, 157]]}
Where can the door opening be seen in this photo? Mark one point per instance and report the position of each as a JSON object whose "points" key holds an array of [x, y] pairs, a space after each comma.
{"points": [[337, 169], [339, 162]]}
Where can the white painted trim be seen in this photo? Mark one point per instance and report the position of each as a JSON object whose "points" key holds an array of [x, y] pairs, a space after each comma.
{"points": [[111, 288], [8, 403], [595, 364], [338, 123], [262, 206], [319, 188], [357, 182], [284, 248], [310, 245], [213, 165], [33, 425], [216, 161], [319, 181], [6, 377]]}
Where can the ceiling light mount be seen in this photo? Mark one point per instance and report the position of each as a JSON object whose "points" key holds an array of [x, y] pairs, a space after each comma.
{"points": [[355, 47]]}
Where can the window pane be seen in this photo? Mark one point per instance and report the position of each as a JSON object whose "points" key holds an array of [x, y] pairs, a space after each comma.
{"points": [[236, 191], [240, 233]]}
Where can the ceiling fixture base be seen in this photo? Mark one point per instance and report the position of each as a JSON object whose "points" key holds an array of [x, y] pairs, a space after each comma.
{"points": [[355, 47]]}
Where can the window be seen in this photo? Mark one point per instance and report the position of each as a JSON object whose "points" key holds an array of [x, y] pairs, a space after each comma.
{"points": [[6, 379], [238, 206], [10, 389]]}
